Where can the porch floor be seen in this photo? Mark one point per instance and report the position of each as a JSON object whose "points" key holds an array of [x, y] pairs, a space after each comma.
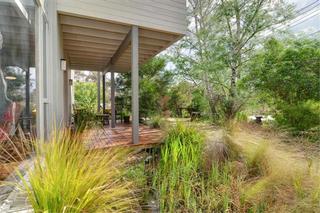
{"points": [[121, 135]]}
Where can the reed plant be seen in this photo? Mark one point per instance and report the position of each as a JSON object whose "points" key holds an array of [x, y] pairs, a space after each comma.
{"points": [[256, 176], [67, 177], [183, 182], [13, 150]]}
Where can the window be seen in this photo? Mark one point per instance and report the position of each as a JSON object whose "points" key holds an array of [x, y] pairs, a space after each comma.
{"points": [[17, 66]]}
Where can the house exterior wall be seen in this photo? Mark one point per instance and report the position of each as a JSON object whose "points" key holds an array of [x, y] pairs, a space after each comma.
{"points": [[164, 15], [56, 75], [51, 107]]}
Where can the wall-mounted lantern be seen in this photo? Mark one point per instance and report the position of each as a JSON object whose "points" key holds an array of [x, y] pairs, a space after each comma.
{"points": [[63, 64]]}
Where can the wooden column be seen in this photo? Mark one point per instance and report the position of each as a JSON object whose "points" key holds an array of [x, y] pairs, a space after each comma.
{"points": [[98, 91], [27, 115], [135, 83], [113, 109], [103, 93]]}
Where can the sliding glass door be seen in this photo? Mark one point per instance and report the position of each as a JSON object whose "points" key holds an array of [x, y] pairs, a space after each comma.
{"points": [[18, 90]]}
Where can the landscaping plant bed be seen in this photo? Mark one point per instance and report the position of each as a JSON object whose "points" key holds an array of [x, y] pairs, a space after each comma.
{"points": [[7, 168]]}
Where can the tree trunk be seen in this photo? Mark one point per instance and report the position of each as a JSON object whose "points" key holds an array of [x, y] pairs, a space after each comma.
{"points": [[233, 89], [231, 108]]}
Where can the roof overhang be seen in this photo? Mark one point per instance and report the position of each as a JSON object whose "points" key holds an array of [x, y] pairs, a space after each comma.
{"points": [[97, 45]]}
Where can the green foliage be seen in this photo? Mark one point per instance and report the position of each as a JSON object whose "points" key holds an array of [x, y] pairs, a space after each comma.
{"points": [[84, 118], [15, 89], [156, 121], [287, 70], [180, 97], [199, 103], [183, 183], [300, 117], [66, 177], [86, 95], [137, 173], [288, 73], [178, 169], [153, 86], [86, 99], [185, 97], [224, 36]]}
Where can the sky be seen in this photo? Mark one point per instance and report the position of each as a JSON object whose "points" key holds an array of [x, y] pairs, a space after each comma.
{"points": [[311, 25]]}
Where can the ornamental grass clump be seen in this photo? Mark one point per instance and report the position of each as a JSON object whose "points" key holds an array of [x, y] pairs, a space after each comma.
{"points": [[67, 177], [178, 168], [183, 182]]}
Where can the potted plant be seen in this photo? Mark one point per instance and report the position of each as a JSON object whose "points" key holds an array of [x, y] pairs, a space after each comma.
{"points": [[126, 117]]}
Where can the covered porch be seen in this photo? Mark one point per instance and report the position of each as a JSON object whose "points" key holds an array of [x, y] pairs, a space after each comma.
{"points": [[111, 47]]}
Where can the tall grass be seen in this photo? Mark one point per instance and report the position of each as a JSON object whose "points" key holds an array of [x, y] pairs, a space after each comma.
{"points": [[178, 169], [13, 150], [255, 176], [183, 182], [277, 180], [66, 177]]}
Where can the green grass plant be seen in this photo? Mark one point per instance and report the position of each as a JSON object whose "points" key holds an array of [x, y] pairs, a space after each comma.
{"points": [[156, 121], [178, 169], [257, 176], [183, 182], [67, 177]]}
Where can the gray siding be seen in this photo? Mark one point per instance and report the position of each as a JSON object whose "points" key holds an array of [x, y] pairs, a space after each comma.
{"points": [[163, 15], [56, 93]]}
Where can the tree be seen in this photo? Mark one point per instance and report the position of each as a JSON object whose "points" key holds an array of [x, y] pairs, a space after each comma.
{"points": [[180, 97], [85, 76], [223, 36], [288, 71], [86, 95], [154, 80]]}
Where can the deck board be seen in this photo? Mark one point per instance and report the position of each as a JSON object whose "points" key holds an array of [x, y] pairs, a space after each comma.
{"points": [[106, 137]]}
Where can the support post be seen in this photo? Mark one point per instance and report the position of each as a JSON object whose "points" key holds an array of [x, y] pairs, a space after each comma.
{"points": [[135, 83], [98, 92], [27, 107], [113, 109], [103, 93]]}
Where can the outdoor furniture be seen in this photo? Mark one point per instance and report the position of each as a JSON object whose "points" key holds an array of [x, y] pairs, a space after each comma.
{"points": [[104, 118], [195, 115], [259, 119]]}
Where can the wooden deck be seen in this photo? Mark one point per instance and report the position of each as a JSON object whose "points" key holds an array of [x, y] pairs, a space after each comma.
{"points": [[121, 136]]}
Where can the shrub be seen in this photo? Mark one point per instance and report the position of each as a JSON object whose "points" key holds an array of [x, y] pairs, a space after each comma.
{"points": [[84, 119], [66, 177], [300, 117], [156, 122]]}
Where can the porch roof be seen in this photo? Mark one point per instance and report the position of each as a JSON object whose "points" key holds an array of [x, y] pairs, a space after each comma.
{"points": [[92, 44]]}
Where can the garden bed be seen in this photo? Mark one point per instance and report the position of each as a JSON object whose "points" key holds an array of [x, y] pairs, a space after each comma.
{"points": [[7, 168]]}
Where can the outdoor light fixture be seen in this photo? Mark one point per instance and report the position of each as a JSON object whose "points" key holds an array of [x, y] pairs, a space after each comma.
{"points": [[63, 64], [11, 77]]}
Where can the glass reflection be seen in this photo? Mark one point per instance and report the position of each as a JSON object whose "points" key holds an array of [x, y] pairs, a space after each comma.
{"points": [[17, 62]]}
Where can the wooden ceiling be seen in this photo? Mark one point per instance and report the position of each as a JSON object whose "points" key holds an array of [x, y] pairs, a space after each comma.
{"points": [[94, 45]]}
